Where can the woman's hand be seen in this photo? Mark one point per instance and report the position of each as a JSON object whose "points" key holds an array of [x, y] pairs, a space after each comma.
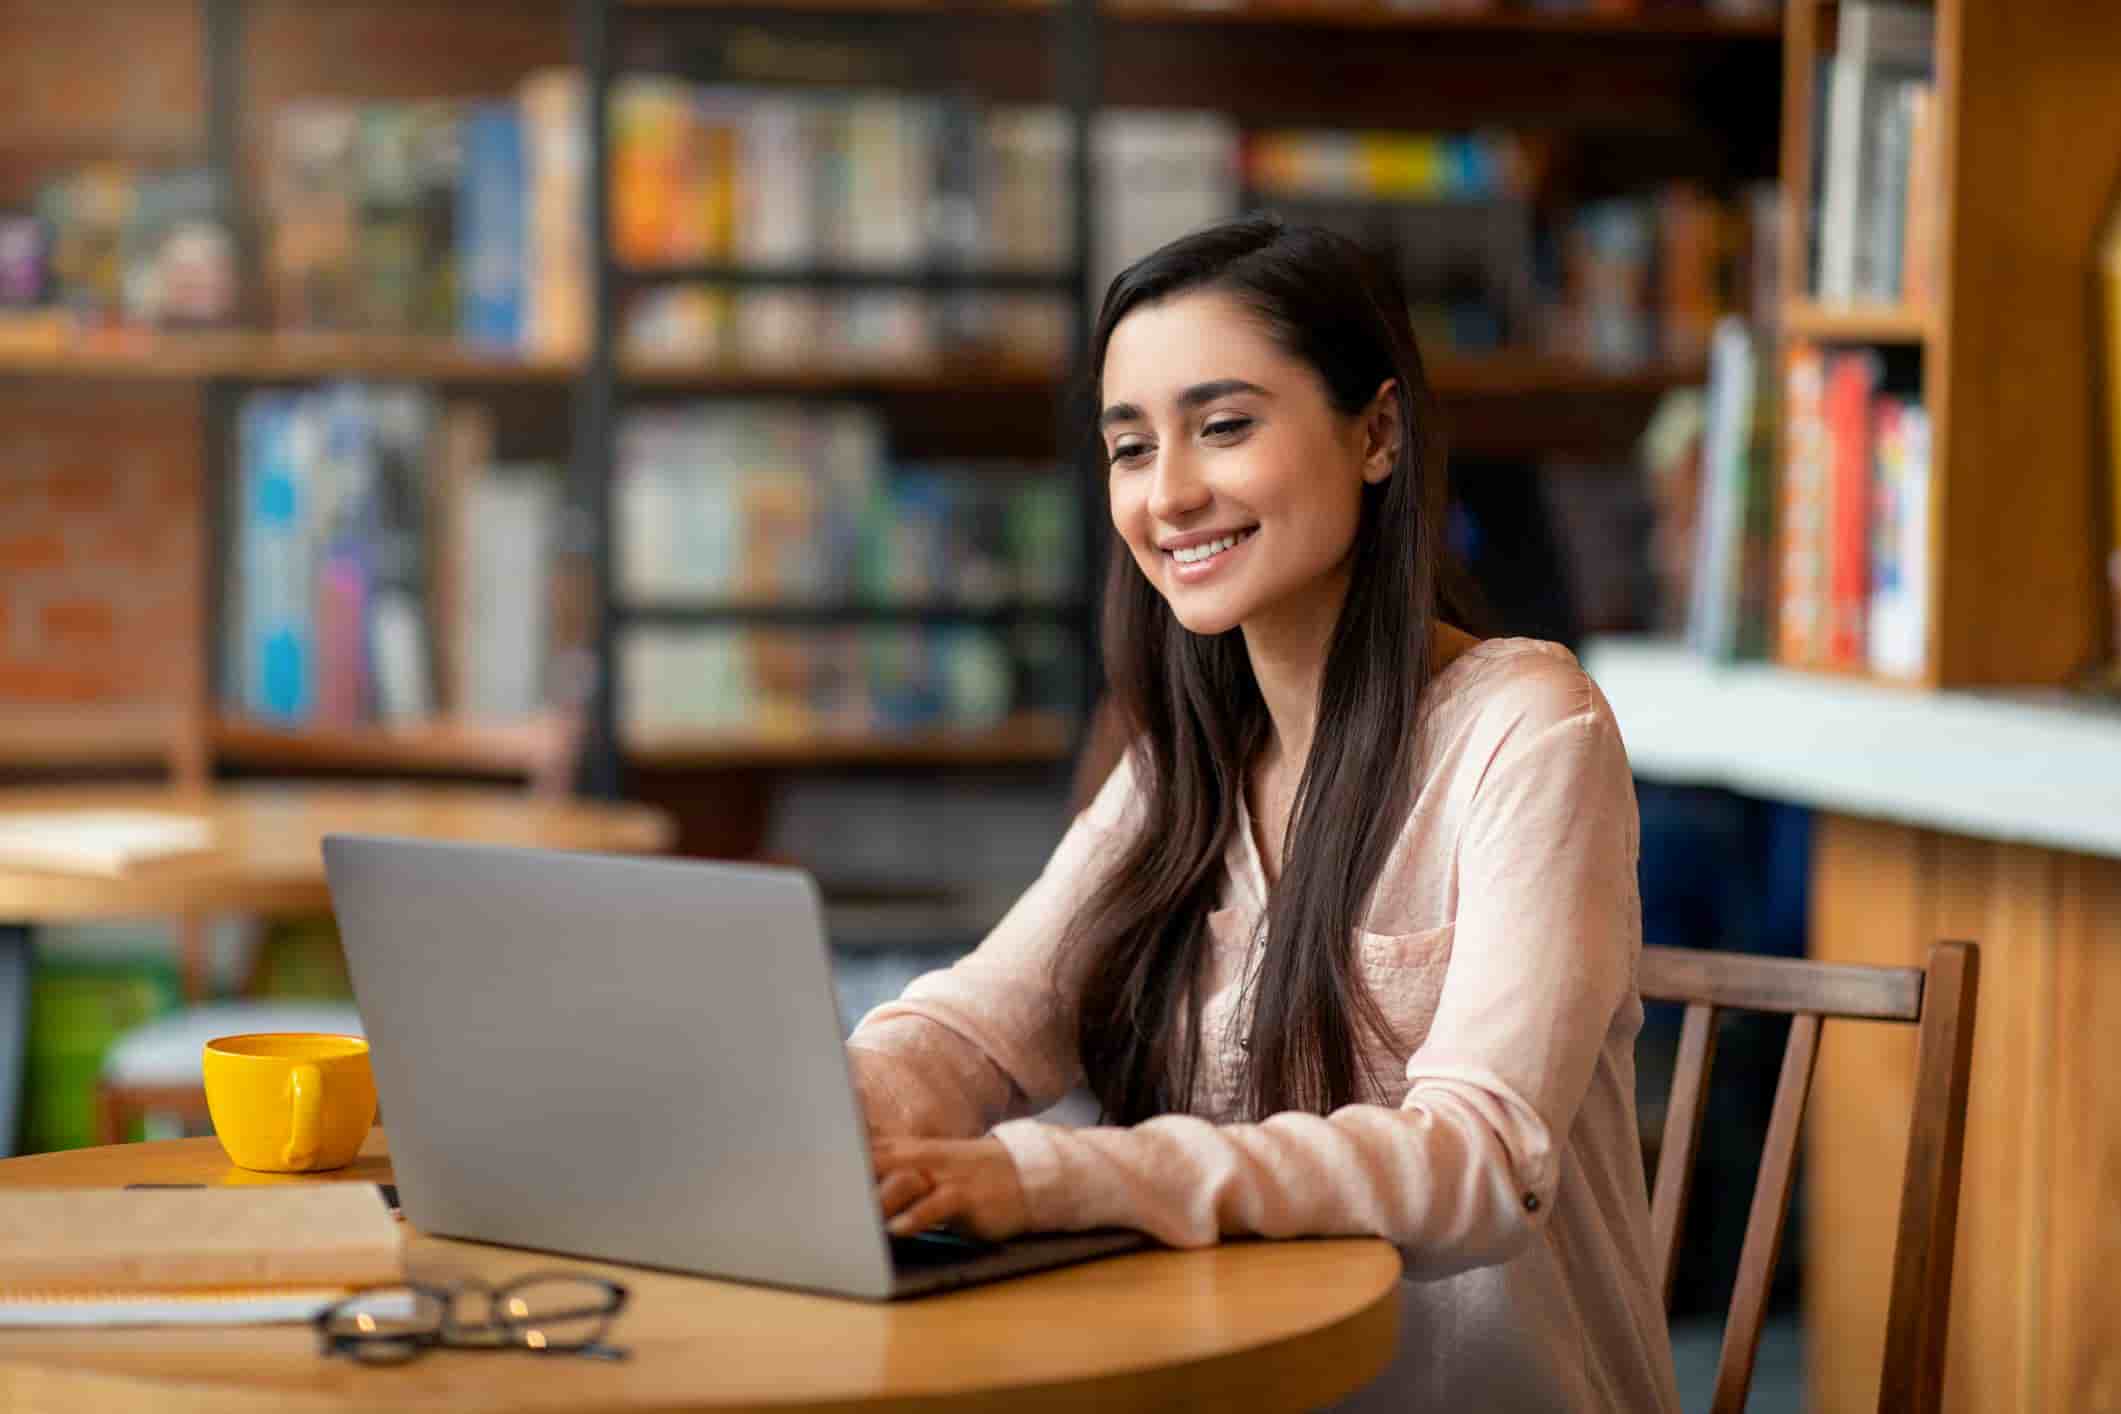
{"points": [[971, 1184], [882, 1115]]}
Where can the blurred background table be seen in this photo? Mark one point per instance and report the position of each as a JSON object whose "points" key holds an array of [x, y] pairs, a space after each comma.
{"points": [[266, 861], [1256, 1325]]}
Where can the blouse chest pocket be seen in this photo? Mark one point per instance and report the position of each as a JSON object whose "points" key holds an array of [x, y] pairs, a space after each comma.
{"points": [[1405, 974]]}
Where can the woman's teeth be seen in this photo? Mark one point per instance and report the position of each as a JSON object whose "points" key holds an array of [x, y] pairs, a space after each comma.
{"points": [[1194, 554]]}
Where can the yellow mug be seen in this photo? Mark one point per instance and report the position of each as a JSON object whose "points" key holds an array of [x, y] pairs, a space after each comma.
{"points": [[290, 1101]]}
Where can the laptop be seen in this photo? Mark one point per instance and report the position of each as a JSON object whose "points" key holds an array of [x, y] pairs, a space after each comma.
{"points": [[634, 1060]]}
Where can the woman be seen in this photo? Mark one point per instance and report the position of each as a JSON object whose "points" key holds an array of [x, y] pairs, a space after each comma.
{"points": [[1347, 943]]}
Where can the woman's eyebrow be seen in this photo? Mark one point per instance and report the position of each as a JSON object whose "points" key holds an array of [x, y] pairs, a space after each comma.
{"points": [[1199, 395]]}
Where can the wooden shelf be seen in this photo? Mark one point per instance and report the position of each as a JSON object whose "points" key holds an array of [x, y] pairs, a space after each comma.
{"points": [[1504, 18], [445, 744], [50, 738], [1855, 323], [1512, 372], [957, 373], [1026, 739], [43, 350], [1507, 17], [31, 351]]}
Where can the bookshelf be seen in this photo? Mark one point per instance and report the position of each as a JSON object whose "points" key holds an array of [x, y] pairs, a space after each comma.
{"points": [[2027, 134], [1630, 76], [2013, 595]]}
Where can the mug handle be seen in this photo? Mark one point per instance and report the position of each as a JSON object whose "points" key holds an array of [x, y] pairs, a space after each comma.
{"points": [[306, 1082]]}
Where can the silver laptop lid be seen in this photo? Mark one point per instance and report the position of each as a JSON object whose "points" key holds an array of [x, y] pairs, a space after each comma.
{"points": [[632, 1059]]}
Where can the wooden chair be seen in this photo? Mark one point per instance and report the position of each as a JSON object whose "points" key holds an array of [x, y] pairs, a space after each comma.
{"points": [[1939, 999]]}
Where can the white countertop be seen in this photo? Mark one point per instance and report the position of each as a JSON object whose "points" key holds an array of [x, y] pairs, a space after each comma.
{"points": [[2039, 768]]}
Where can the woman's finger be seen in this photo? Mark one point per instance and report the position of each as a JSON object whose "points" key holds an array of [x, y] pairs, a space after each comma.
{"points": [[889, 1155], [933, 1210], [900, 1188]]}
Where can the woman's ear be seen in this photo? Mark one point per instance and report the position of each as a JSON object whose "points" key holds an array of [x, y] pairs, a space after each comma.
{"points": [[1381, 434]]}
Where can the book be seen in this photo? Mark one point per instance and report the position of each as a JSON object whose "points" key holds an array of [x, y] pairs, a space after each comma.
{"points": [[313, 204], [215, 1254], [493, 274], [275, 657], [107, 842], [2109, 282], [556, 175], [1727, 444], [510, 522], [1899, 596], [1879, 43], [1851, 382], [1918, 234], [1801, 603]]}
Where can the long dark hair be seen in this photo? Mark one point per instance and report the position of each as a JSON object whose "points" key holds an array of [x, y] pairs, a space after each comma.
{"points": [[1195, 721]]}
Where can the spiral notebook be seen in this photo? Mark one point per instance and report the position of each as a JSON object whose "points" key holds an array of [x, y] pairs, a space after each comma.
{"points": [[204, 1256]]}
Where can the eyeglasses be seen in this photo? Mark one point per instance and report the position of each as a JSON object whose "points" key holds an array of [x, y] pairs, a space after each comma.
{"points": [[548, 1313]]}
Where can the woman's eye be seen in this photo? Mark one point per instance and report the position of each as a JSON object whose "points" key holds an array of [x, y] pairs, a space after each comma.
{"points": [[1127, 451], [1226, 427]]}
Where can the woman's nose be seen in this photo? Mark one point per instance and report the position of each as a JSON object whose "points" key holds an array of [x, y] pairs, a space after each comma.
{"points": [[1177, 490]]}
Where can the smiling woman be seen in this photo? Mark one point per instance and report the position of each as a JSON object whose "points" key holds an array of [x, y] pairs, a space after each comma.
{"points": [[1347, 943]]}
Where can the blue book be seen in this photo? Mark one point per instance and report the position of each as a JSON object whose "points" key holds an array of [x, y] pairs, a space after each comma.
{"points": [[491, 227], [277, 661]]}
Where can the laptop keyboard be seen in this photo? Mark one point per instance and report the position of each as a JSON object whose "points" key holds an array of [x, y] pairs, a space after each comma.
{"points": [[937, 1247]]}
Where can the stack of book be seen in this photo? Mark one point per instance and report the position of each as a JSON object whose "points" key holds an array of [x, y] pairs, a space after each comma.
{"points": [[1645, 278], [114, 244], [1730, 586], [733, 503], [385, 567], [862, 682], [433, 218], [1876, 197], [1855, 512], [1453, 209]]}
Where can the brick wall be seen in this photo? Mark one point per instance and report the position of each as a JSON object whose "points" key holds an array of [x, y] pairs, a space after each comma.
{"points": [[99, 480], [99, 514]]}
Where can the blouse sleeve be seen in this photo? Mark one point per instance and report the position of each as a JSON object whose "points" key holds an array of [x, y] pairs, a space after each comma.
{"points": [[994, 1034], [1463, 1172]]}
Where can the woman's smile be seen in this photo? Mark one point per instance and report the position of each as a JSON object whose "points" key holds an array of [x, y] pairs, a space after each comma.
{"points": [[1193, 558]]}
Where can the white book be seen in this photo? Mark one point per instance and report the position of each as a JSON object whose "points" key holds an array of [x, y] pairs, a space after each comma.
{"points": [[1878, 42], [238, 1306], [511, 515], [1726, 442], [107, 842]]}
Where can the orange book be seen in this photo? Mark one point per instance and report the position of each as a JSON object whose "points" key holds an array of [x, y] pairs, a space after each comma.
{"points": [[1851, 383], [1800, 614]]}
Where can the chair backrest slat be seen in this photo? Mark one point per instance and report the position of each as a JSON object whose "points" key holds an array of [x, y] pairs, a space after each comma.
{"points": [[1740, 982], [1763, 1224], [1940, 999], [1929, 1194], [1682, 1133]]}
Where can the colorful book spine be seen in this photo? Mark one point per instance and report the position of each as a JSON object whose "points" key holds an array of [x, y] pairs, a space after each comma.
{"points": [[1899, 611], [2110, 291], [1851, 382], [277, 654], [1801, 609], [493, 271]]}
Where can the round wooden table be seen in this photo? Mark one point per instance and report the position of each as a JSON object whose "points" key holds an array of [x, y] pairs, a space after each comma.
{"points": [[1250, 1326]]}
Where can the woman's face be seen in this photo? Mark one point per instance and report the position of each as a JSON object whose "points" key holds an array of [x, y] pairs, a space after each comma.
{"points": [[1234, 482]]}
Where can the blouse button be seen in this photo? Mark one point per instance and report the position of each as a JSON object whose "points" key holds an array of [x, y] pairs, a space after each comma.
{"points": [[1531, 1202]]}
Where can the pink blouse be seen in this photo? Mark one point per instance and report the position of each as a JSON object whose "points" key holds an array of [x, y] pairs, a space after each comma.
{"points": [[1501, 943]]}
